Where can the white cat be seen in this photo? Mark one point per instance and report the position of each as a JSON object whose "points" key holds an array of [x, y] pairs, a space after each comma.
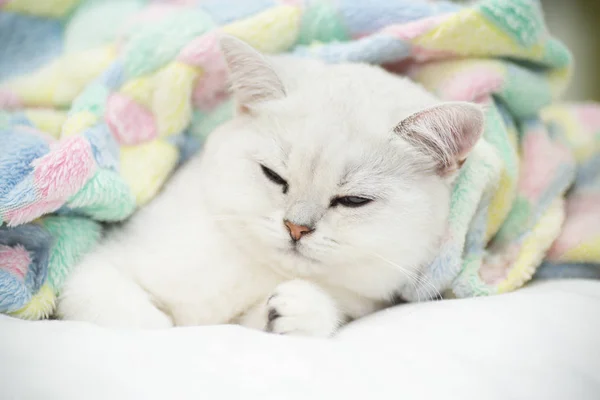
{"points": [[319, 202]]}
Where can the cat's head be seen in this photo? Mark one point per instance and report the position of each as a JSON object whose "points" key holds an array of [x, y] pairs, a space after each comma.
{"points": [[334, 167]]}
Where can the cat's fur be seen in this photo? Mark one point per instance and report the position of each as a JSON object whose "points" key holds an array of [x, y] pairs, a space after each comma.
{"points": [[213, 248]]}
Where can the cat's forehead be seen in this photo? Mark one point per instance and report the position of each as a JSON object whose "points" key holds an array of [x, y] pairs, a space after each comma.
{"points": [[329, 122], [331, 154], [315, 133]]}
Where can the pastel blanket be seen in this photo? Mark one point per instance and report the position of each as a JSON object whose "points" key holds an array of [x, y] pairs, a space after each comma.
{"points": [[101, 100]]}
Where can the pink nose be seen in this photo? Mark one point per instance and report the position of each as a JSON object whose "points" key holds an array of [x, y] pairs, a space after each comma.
{"points": [[297, 231]]}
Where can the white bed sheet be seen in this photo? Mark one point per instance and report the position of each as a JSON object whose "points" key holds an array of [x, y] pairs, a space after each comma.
{"points": [[542, 342]]}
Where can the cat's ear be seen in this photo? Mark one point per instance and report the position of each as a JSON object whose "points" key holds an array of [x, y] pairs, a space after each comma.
{"points": [[447, 132], [252, 80]]}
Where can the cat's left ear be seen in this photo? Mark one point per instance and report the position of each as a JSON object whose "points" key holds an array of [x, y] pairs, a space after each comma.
{"points": [[252, 79], [446, 132]]}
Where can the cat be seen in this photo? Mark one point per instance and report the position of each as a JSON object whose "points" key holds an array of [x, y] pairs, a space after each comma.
{"points": [[323, 198]]}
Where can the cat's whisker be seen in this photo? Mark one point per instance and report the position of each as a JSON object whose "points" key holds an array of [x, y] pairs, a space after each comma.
{"points": [[330, 240], [437, 293], [428, 287], [419, 279], [408, 273]]}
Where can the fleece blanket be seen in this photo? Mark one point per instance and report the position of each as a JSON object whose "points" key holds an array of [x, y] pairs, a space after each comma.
{"points": [[101, 100]]}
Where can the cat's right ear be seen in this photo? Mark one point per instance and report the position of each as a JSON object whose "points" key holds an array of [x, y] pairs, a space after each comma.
{"points": [[447, 132], [252, 80]]}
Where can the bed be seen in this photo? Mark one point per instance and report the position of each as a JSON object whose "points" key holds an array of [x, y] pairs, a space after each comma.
{"points": [[542, 342]]}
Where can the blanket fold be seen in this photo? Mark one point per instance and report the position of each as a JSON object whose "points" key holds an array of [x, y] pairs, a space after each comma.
{"points": [[101, 100]]}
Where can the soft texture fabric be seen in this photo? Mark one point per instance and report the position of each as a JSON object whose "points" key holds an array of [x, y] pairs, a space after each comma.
{"points": [[536, 343], [96, 116]]}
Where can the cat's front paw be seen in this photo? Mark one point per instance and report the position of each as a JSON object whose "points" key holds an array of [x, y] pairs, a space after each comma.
{"points": [[299, 307]]}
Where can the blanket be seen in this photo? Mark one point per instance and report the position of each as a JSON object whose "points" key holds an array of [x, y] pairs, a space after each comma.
{"points": [[101, 100]]}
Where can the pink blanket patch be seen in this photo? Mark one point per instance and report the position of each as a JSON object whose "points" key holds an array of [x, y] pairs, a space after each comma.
{"points": [[472, 84], [204, 52], [129, 122], [29, 213], [62, 172], [421, 54], [412, 30], [541, 161], [590, 117], [8, 99], [581, 224], [14, 260], [495, 267], [210, 90]]}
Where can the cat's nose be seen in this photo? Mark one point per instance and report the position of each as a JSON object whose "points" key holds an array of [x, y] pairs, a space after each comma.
{"points": [[297, 231]]}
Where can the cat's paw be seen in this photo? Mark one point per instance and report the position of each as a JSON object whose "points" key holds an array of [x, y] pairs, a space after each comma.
{"points": [[301, 308]]}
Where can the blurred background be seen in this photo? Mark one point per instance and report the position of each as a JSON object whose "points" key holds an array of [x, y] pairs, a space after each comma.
{"points": [[577, 24]]}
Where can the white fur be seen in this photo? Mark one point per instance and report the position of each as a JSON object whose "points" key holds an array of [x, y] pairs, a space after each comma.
{"points": [[212, 248]]}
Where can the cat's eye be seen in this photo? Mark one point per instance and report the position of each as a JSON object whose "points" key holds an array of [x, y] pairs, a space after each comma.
{"points": [[275, 178], [350, 201]]}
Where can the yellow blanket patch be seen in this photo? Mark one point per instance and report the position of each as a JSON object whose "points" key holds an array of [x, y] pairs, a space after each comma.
{"points": [[77, 123], [272, 31], [469, 33], [47, 120], [41, 8], [501, 204], [140, 90], [40, 306], [534, 247], [60, 82], [145, 167], [171, 101], [586, 252], [583, 146]]}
